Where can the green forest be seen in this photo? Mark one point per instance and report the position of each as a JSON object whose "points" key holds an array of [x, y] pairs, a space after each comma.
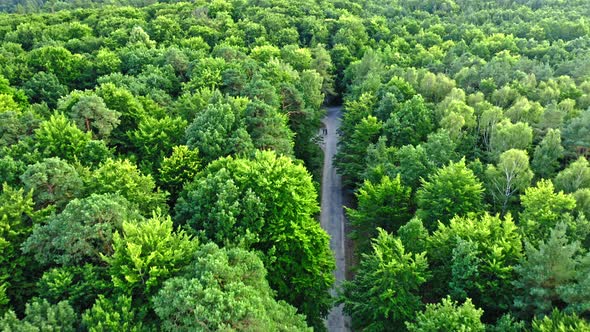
{"points": [[161, 165]]}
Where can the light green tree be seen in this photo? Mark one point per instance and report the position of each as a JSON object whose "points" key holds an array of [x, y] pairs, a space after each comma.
{"points": [[508, 135], [544, 208], [448, 315], [59, 137], [510, 177], [40, 315], [116, 314], [559, 321], [179, 168], [123, 178], [154, 139], [475, 258], [385, 292], [16, 220], [147, 253], [575, 176], [452, 191]]}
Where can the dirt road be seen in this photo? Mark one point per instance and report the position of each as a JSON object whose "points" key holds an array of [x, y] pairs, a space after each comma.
{"points": [[332, 214]]}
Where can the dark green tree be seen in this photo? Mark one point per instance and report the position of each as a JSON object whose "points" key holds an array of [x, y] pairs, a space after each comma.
{"points": [[554, 275], [350, 157], [81, 233], [410, 124], [547, 155], [218, 131], [91, 114], [53, 182]]}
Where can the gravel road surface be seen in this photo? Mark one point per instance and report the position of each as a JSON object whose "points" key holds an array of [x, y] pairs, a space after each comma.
{"points": [[332, 214]]}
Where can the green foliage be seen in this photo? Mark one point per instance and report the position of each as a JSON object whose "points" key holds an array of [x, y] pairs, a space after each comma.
{"points": [[42, 316], [575, 176], [45, 87], [559, 321], [219, 131], [267, 204], [510, 177], [123, 178], [452, 191], [383, 205], [268, 128], [414, 236], [107, 62], [425, 84], [91, 114], [121, 100], [476, 258], [554, 274], [509, 136], [52, 181], [507, 323], [349, 158], [59, 137], [17, 126], [146, 253], [547, 155], [384, 293], [155, 138], [224, 290], [543, 209], [440, 148], [576, 133], [448, 316], [410, 124], [179, 168], [79, 285], [413, 165], [82, 232], [112, 315], [582, 197], [16, 211]]}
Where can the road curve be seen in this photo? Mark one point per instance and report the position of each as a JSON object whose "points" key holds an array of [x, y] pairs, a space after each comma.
{"points": [[332, 213]]}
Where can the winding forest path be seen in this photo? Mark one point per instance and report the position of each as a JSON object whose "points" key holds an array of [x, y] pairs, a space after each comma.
{"points": [[332, 214]]}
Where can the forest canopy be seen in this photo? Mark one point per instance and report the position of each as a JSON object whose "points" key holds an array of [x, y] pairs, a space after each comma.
{"points": [[160, 164]]}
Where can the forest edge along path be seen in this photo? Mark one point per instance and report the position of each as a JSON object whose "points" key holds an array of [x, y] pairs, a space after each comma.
{"points": [[332, 214]]}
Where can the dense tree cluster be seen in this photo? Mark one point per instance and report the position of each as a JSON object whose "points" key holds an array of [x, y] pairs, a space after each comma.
{"points": [[131, 142], [465, 138], [159, 164]]}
